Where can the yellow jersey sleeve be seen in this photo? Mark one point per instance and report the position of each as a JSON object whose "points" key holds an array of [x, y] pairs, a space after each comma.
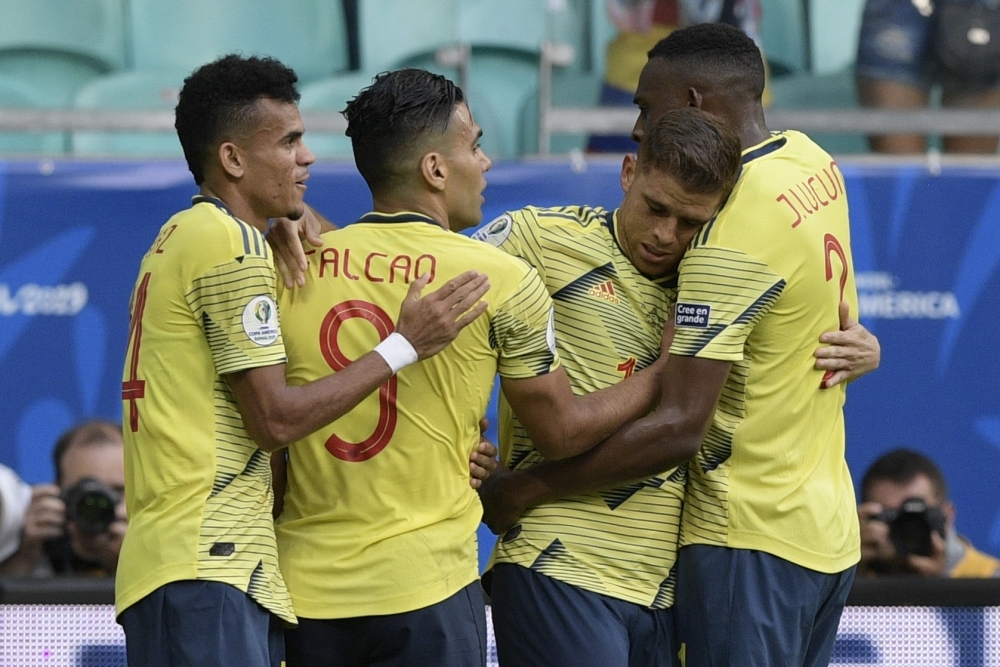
{"points": [[722, 294], [523, 332], [235, 303]]}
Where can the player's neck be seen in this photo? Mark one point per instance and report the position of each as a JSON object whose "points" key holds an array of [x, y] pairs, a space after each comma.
{"points": [[431, 207], [236, 204]]}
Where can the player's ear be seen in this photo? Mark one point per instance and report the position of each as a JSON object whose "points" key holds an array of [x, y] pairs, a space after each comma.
{"points": [[231, 159], [694, 98], [434, 170], [628, 171]]}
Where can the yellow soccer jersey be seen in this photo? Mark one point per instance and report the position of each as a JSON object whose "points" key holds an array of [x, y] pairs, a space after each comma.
{"points": [[609, 321], [198, 489], [379, 517], [757, 287]]}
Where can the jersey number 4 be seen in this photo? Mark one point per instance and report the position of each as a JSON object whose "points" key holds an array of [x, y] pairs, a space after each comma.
{"points": [[387, 412], [133, 388]]}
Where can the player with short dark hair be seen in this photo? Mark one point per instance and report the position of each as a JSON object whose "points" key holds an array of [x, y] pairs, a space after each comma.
{"points": [[769, 533], [588, 579], [203, 388], [377, 537]]}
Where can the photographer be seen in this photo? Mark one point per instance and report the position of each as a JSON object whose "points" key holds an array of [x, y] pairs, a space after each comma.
{"points": [[76, 526], [908, 523]]}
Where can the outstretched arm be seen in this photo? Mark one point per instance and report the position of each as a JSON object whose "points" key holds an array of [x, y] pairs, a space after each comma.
{"points": [[848, 353], [276, 414]]}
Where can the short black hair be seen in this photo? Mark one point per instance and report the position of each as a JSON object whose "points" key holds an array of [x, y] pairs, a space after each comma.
{"points": [[218, 100], [87, 433], [902, 466], [391, 117], [716, 52], [695, 148]]}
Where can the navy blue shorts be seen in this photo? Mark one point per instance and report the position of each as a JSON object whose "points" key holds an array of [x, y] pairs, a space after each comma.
{"points": [[540, 621], [743, 608], [200, 623], [894, 44], [451, 633]]}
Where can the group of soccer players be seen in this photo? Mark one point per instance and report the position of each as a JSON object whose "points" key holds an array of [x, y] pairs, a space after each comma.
{"points": [[378, 393]]}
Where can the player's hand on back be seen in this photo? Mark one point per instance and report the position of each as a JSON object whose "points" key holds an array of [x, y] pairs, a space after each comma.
{"points": [[848, 353], [500, 497], [285, 238], [432, 322], [483, 460]]}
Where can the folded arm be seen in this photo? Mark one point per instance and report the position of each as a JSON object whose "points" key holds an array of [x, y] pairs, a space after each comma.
{"points": [[668, 436], [562, 425]]}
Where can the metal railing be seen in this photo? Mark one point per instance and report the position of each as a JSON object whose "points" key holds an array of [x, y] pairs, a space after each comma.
{"points": [[553, 120]]}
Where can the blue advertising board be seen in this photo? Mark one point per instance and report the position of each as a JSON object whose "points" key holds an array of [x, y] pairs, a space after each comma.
{"points": [[926, 249]]}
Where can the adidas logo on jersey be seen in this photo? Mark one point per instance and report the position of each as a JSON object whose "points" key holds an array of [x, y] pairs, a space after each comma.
{"points": [[605, 291]]}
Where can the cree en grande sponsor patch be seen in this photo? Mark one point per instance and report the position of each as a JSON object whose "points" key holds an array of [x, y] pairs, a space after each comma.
{"points": [[496, 232], [260, 320], [695, 315]]}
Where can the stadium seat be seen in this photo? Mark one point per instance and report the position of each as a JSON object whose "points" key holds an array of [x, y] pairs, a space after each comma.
{"points": [[156, 90], [523, 25], [392, 31], [783, 36], [331, 95], [833, 34], [569, 89], [308, 35], [821, 91], [14, 94], [56, 46]]}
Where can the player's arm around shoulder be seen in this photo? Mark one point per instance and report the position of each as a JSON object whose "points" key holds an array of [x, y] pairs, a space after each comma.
{"points": [[276, 414], [559, 423], [848, 353]]}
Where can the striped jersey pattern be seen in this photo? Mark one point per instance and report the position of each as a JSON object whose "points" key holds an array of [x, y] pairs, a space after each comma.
{"points": [[198, 488], [608, 322], [757, 288]]}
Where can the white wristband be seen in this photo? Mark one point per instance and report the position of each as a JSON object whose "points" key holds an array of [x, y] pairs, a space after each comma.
{"points": [[397, 352]]}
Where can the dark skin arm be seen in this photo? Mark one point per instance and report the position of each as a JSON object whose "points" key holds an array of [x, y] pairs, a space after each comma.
{"points": [[668, 436]]}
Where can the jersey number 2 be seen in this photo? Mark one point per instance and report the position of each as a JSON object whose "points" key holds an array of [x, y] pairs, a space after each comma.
{"points": [[330, 347]]}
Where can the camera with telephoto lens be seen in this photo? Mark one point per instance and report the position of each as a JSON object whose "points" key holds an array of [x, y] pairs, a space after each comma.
{"points": [[91, 505], [910, 526]]}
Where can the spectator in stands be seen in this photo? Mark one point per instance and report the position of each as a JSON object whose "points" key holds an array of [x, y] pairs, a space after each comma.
{"points": [[15, 496], [76, 526], [903, 54], [643, 23], [908, 523]]}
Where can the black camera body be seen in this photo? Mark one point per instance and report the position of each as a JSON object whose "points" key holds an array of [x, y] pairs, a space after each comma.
{"points": [[910, 526], [91, 505]]}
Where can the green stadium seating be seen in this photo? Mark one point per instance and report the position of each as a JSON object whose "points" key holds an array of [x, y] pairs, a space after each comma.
{"points": [[16, 95], [833, 33], [147, 90], [55, 46], [391, 31], [331, 95], [308, 35], [783, 36], [569, 89], [821, 91]]}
